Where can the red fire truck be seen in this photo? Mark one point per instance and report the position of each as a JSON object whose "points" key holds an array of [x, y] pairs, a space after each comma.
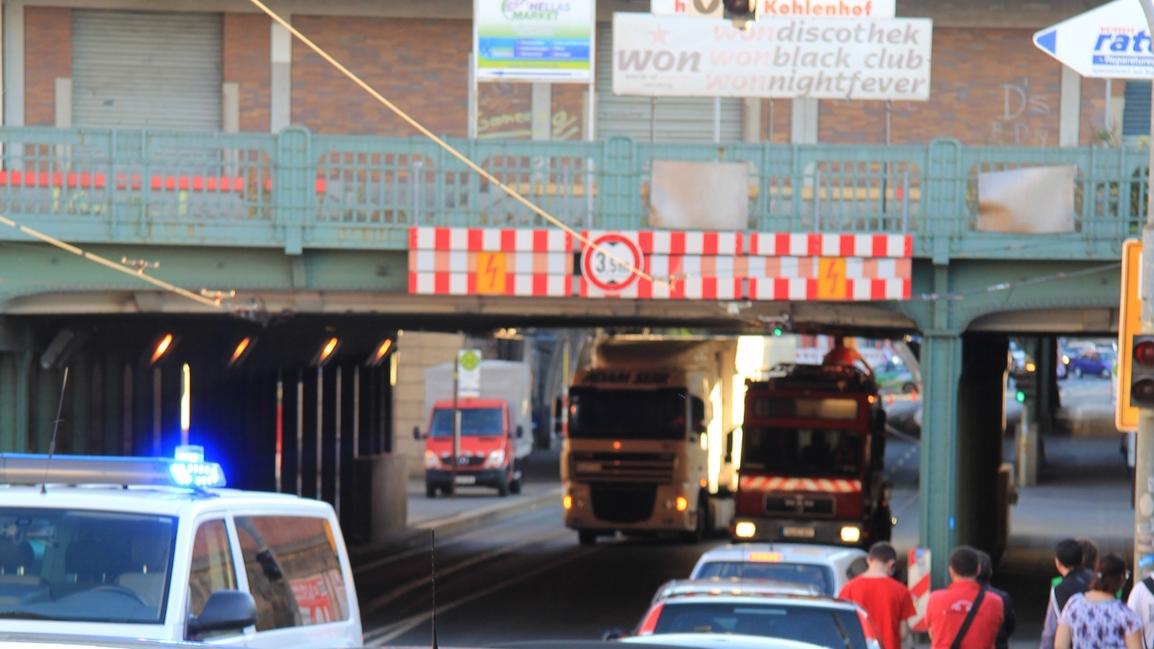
{"points": [[812, 454]]}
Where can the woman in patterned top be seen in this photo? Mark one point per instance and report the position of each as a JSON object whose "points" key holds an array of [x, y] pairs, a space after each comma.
{"points": [[1096, 620]]}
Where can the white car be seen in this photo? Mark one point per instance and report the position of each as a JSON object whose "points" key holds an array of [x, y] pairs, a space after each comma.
{"points": [[154, 549], [827, 568]]}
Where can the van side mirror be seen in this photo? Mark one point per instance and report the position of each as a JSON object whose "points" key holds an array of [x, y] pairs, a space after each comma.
{"points": [[225, 610], [558, 413], [697, 414], [416, 432], [520, 432], [729, 447]]}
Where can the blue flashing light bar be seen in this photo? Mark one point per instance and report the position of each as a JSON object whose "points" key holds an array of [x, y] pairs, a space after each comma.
{"points": [[188, 469]]}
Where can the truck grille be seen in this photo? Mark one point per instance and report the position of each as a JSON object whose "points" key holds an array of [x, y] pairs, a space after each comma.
{"points": [[800, 504], [624, 504], [463, 460], [623, 467]]}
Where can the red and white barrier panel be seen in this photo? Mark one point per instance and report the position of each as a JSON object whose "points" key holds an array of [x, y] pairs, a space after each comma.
{"points": [[775, 483], [918, 581], [490, 261]]}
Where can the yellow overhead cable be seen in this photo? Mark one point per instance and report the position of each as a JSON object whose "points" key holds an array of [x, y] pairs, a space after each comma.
{"points": [[108, 263], [513, 193]]}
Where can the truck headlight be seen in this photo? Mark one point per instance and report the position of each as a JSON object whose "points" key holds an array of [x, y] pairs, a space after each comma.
{"points": [[496, 459], [850, 534], [432, 461], [745, 530]]}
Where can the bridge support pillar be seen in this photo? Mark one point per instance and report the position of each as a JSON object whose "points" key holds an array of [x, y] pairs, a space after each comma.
{"points": [[15, 384], [1048, 401], [981, 422], [941, 360]]}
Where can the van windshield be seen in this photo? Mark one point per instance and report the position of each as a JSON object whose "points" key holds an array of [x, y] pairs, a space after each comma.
{"points": [[802, 452], [83, 565], [475, 422]]}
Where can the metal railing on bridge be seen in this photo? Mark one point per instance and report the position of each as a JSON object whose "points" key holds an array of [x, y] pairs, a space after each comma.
{"points": [[295, 189]]}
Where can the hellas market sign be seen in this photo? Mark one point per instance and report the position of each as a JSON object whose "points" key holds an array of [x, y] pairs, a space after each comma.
{"points": [[534, 40]]}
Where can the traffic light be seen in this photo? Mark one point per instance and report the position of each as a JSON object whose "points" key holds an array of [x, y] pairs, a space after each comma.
{"points": [[741, 11], [1129, 324], [1142, 372], [1026, 386]]}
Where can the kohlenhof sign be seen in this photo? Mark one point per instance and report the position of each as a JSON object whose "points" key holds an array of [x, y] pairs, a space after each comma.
{"points": [[819, 58], [781, 8]]}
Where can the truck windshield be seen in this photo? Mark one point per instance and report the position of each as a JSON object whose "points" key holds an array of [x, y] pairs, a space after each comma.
{"points": [[475, 422], [802, 452], [627, 414], [82, 565]]}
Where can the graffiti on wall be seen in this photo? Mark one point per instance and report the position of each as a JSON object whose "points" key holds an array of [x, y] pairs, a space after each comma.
{"points": [[519, 125], [1017, 122]]}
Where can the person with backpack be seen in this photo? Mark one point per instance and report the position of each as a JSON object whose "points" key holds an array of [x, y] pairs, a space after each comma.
{"points": [[1141, 601], [1009, 621], [1096, 618], [1076, 579], [965, 615]]}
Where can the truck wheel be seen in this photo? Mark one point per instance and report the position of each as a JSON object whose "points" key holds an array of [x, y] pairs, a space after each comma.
{"points": [[515, 486], [586, 537], [430, 490], [503, 488]]}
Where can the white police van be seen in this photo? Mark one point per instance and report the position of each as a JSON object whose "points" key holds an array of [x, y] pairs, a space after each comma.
{"points": [[147, 548]]}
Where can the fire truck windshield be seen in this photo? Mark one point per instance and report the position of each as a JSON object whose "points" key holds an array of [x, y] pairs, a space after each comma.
{"points": [[802, 452], [627, 414], [479, 422]]}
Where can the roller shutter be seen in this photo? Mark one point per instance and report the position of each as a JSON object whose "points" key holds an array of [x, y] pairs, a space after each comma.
{"points": [[146, 70], [1136, 113], [661, 119]]}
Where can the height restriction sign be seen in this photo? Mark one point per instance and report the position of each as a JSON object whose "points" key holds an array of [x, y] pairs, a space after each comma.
{"points": [[610, 263]]}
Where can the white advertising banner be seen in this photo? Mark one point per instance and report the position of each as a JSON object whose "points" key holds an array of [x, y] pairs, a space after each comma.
{"points": [[819, 58], [784, 8]]}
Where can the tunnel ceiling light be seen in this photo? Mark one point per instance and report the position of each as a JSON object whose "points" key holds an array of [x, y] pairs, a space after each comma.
{"points": [[327, 350], [241, 351], [162, 348], [379, 354]]}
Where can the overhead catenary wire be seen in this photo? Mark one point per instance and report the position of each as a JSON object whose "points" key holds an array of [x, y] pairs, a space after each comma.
{"points": [[108, 263], [450, 149]]}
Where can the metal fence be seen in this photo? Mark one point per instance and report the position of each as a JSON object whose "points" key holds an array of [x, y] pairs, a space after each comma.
{"points": [[296, 190]]}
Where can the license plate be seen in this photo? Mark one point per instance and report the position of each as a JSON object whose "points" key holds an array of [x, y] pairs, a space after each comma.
{"points": [[799, 532], [465, 479], [588, 467]]}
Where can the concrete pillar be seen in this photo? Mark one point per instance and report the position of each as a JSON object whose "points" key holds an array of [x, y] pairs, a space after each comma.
{"points": [[280, 77], [1069, 107], [941, 360], [1047, 361], [803, 125], [14, 64], [981, 422], [751, 119], [389, 495]]}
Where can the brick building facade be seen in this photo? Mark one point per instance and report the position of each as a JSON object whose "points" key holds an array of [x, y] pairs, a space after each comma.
{"points": [[990, 85]]}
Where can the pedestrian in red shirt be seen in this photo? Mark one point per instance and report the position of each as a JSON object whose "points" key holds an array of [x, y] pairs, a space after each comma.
{"points": [[964, 615], [886, 600]]}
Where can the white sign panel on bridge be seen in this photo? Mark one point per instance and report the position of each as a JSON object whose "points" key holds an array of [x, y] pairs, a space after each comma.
{"points": [[820, 58], [1109, 42], [784, 8]]}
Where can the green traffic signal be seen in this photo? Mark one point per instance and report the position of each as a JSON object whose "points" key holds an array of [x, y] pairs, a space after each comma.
{"points": [[1020, 396], [778, 330]]}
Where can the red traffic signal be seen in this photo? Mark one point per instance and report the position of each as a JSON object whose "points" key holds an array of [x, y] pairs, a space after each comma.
{"points": [[740, 9], [1142, 372]]}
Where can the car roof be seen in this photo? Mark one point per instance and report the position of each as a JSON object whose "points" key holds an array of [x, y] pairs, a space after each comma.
{"points": [[171, 501], [718, 641], [783, 552], [762, 599], [715, 586]]}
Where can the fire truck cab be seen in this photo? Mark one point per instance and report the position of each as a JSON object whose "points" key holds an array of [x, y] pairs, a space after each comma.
{"points": [[811, 459]]}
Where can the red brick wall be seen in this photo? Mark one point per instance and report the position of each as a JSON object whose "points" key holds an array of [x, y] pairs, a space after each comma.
{"points": [[48, 56], [246, 62], [422, 65], [775, 119], [989, 86]]}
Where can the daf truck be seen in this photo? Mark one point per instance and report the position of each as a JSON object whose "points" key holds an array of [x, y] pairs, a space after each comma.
{"points": [[644, 447]]}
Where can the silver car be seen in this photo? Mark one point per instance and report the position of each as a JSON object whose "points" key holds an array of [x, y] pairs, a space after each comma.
{"points": [[827, 568]]}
